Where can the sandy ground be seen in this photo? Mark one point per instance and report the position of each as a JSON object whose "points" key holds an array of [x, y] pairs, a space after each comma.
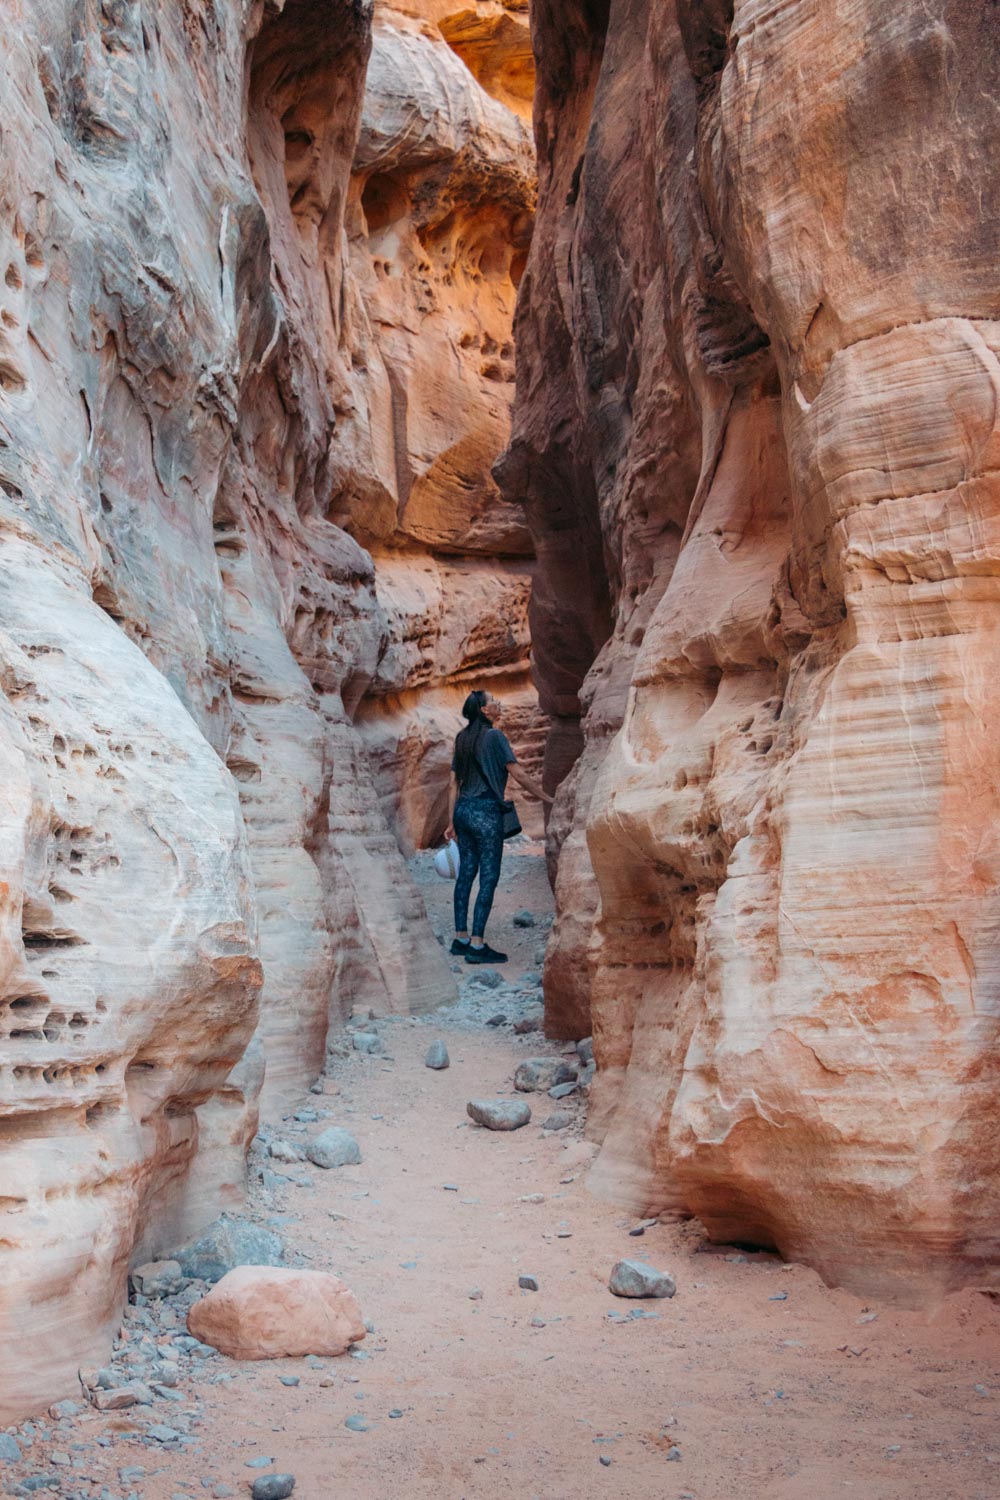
{"points": [[764, 1381]]}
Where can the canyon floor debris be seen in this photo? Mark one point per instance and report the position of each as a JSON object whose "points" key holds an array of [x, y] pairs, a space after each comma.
{"points": [[468, 1386]]}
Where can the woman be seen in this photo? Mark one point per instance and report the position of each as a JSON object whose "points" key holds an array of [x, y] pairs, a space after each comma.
{"points": [[482, 761]]}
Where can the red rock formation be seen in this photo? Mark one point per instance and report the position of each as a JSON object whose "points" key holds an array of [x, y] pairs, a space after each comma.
{"points": [[756, 407]]}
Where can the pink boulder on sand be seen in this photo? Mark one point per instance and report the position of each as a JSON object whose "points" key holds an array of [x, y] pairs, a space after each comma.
{"points": [[268, 1312]]}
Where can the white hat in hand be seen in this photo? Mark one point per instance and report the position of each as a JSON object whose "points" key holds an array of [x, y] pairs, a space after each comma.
{"points": [[446, 861]]}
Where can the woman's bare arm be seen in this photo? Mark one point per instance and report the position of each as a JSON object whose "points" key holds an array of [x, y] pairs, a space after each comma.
{"points": [[449, 832], [528, 782]]}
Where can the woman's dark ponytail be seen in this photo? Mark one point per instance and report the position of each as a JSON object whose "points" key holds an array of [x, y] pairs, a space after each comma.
{"points": [[466, 741]]}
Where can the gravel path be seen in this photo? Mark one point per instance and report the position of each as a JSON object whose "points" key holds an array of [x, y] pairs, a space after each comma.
{"points": [[753, 1381]]}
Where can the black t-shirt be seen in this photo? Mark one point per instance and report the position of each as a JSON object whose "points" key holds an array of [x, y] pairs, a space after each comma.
{"points": [[496, 755]]}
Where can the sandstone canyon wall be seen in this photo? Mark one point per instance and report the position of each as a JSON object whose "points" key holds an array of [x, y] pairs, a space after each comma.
{"points": [[439, 220], [756, 435], [210, 416]]}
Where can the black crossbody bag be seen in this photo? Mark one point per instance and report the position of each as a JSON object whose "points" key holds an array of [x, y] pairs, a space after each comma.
{"points": [[511, 821]]}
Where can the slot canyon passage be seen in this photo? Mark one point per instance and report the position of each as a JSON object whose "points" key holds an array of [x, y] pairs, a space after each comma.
{"points": [[638, 360]]}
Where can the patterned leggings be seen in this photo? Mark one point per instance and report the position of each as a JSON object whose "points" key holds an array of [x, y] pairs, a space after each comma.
{"points": [[478, 825]]}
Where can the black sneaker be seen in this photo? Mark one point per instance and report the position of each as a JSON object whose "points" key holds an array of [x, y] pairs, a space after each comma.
{"points": [[458, 947], [485, 955]]}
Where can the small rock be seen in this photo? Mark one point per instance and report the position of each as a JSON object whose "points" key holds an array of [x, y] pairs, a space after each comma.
{"points": [[536, 1074], [286, 1151], [356, 1423], [538, 1322], [259, 1463], [499, 1114], [10, 1453], [476, 1295], [524, 919], [227, 1243], [528, 1283], [166, 1372], [673, 1454], [527, 1024], [395, 1412], [273, 1487], [334, 1147], [605, 1460], [289, 1380], [585, 1050], [498, 1020], [487, 979], [557, 1121], [437, 1057], [318, 1087], [779, 1297], [160, 1433], [532, 1198], [306, 1116], [222, 1492], [563, 1090], [633, 1278], [118, 1399], [368, 1042], [158, 1278], [63, 1410]]}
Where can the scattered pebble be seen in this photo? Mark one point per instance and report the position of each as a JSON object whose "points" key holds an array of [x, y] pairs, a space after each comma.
{"points": [[356, 1423], [633, 1278], [290, 1380], [528, 1283], [524, 919], [437, 1057]]}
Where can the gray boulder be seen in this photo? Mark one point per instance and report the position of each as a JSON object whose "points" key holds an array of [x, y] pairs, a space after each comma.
{"points": [[633, 1278], [273, 1486], [585, 1050], [158, 1278], [437, 1056], [537, 1074], [499, 1114], [228, 1243], [524, 919], [334, 1147], [560, 1120], [10, 1453], [367, 1041]]}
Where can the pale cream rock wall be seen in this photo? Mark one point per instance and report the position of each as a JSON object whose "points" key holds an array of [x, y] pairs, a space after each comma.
{"points": [[766, 254], [194, 851]]}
